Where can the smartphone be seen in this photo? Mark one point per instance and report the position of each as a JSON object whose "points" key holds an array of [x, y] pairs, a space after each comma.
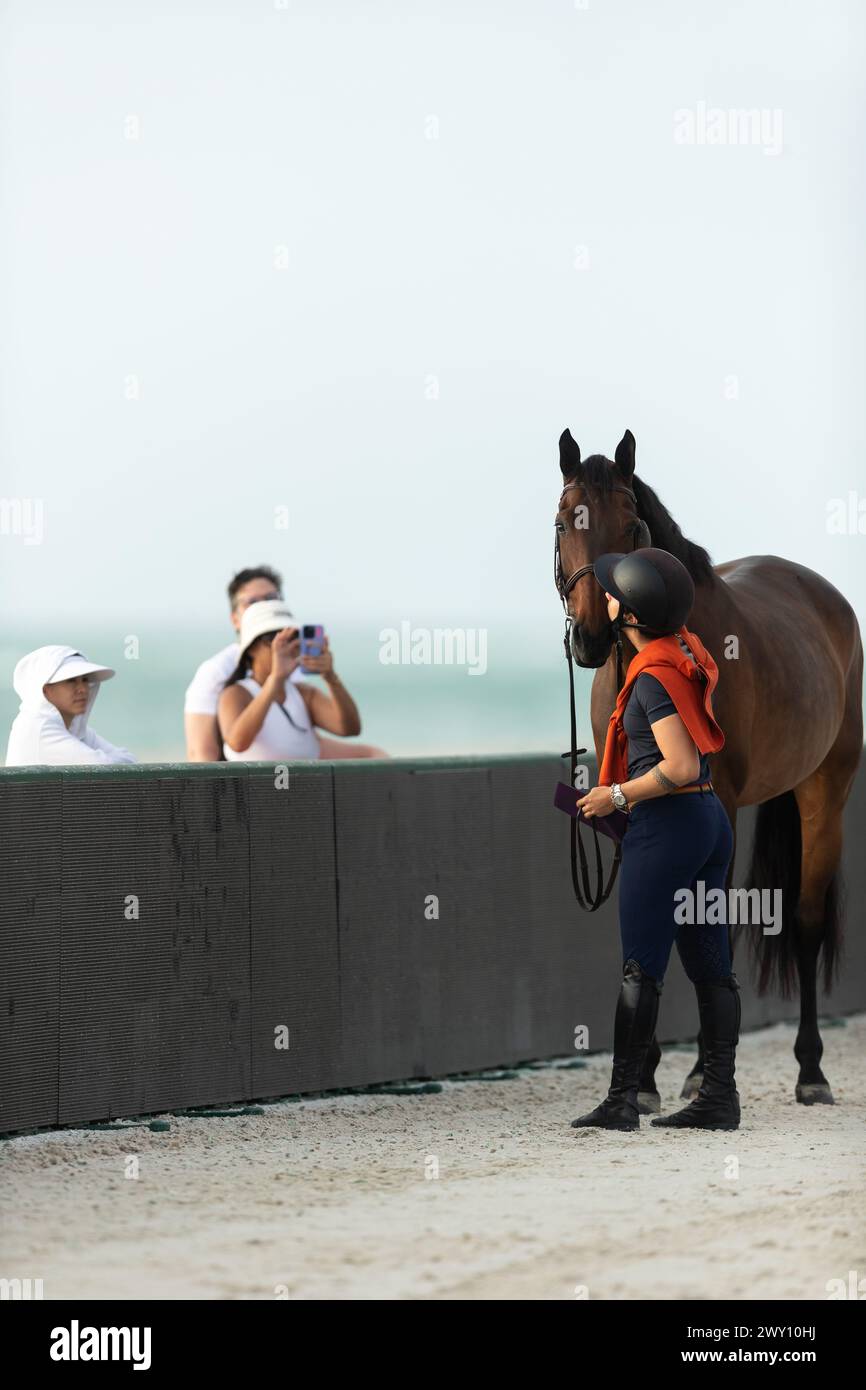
{"points": [[312, 643]]}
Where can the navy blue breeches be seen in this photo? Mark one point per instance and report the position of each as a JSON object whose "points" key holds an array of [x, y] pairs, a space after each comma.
{"points": [[671, 843]]}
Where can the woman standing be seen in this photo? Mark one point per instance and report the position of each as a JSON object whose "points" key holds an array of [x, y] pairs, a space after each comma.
{"points": [[655, 768], [265, 717]]}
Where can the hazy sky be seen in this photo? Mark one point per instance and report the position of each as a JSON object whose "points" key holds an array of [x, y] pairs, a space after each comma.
{"points": [[365, 262]]}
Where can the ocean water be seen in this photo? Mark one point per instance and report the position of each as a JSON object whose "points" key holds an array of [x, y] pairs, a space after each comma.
{"points": [[519, 704]]}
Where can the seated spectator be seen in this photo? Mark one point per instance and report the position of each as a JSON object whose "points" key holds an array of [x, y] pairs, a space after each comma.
{"points": [[203, 742], [58, 687], [263, 715]]}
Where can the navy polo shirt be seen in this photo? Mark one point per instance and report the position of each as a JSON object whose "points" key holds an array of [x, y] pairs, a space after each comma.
{"points": [[648, 702]]}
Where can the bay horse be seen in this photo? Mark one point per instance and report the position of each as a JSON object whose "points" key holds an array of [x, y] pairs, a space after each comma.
{"points": [[789, 699]]}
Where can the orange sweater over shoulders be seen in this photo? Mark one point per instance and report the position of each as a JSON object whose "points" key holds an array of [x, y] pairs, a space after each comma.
{"points": [[689, 685]]}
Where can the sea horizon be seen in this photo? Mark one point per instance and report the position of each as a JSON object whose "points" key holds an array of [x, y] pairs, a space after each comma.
{"points": [[518, 703]]}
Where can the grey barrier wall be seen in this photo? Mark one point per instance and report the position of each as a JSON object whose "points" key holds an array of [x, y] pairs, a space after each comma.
{"points": [[160, 924]]}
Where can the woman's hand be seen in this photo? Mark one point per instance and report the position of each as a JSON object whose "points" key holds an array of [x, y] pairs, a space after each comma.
{"points": [[285, 653], [333, 710], [598, 802], [320, 665]]}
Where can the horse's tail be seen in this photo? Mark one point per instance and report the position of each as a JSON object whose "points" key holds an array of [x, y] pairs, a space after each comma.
{"points": [[775, 864]]}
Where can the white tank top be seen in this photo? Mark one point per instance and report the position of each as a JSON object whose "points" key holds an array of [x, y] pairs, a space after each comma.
{"points": [[281, 738]]}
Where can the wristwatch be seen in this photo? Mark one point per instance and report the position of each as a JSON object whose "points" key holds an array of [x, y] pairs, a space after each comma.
{"points": [[618, 798]]}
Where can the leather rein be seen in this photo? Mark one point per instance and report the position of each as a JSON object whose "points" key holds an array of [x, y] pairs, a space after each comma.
{"points": [[587, 899]]}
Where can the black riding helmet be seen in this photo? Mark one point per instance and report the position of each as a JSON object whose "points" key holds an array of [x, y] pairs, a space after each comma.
{"points": [[652, 584]]}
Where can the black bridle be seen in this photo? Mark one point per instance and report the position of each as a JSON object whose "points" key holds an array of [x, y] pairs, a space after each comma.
{"points": [[588, 900], [565, 586]]}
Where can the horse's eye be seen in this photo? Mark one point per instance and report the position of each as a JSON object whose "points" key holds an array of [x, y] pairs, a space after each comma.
{"points": [[560, 526]]}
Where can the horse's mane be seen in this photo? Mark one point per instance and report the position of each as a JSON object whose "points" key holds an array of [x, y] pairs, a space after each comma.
{"points": [[600, 476]]}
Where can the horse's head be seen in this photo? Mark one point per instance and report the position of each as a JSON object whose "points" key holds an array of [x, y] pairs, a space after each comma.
{"points": [[597, 514]]}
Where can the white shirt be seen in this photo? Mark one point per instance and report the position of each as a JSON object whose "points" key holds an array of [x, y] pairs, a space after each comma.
{"points": [[281, 738], [204, 690]]}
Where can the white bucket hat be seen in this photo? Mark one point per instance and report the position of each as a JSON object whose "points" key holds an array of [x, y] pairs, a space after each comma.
{"points": [[78, 665], [268, 615]]}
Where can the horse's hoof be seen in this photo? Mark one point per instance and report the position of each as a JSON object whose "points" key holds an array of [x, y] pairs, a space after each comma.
{"points": [[691, 1085], [814, 1093], [649, 1103]]}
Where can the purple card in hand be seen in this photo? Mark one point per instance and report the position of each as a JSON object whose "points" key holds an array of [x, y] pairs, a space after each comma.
{"points": [[614, 825]]}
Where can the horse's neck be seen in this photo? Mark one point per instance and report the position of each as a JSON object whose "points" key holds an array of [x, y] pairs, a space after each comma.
{"points": [[628, 655], [717, 612]]}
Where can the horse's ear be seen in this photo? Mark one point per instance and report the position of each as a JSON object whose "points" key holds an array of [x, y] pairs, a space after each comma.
{"points": [[569, 454], [624, 456]]}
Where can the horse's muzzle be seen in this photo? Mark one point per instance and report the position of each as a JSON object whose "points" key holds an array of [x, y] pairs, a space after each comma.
{"points": [[591, 649]]}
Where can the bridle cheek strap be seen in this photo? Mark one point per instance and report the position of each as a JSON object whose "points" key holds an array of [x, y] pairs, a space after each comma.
{"points": [[564, 587]]}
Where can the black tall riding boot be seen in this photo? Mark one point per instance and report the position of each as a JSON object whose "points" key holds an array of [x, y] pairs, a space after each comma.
{"points": [[636, 1012], [717, 1104]]}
